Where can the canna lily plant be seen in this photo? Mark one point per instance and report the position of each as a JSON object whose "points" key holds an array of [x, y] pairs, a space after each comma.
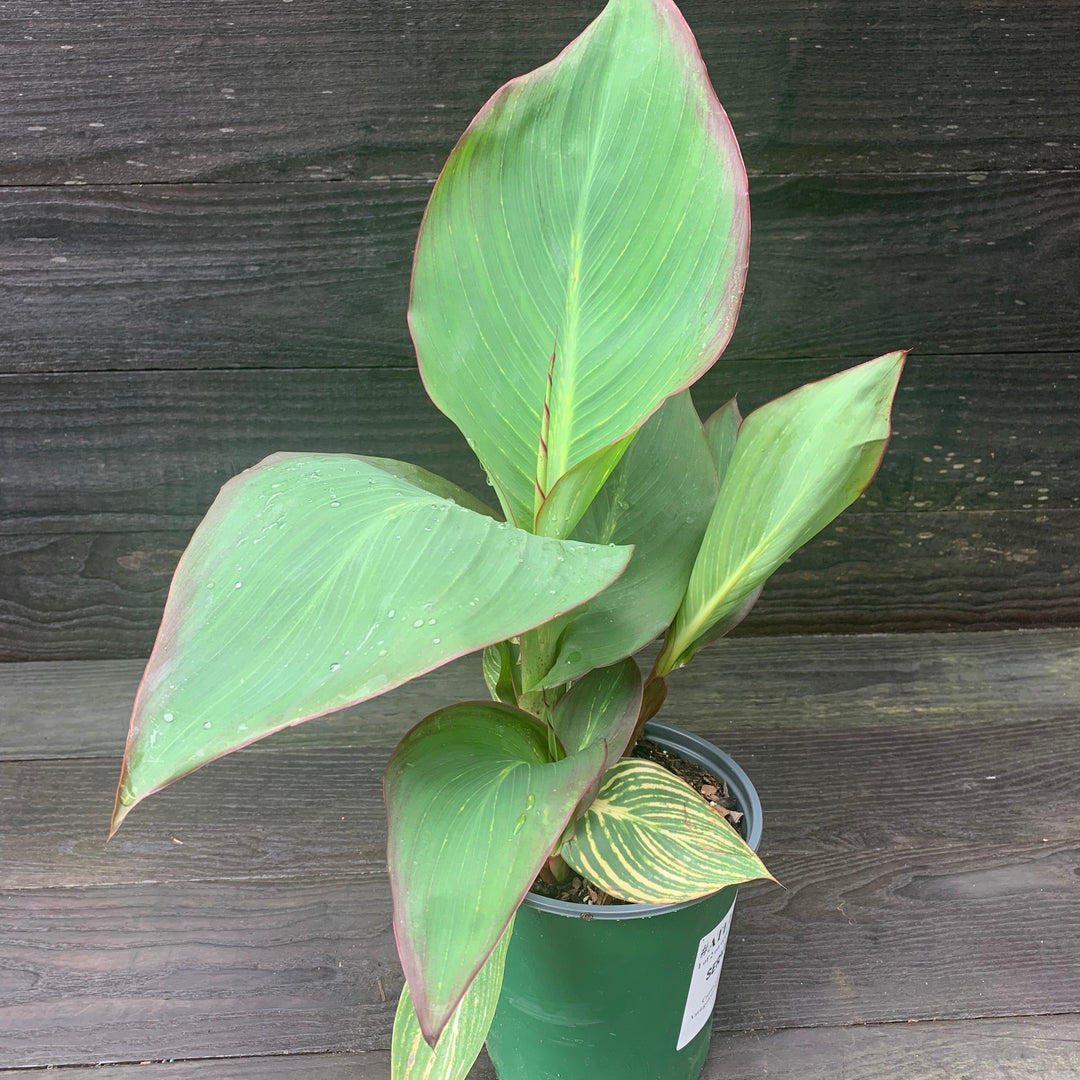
{"points": [[580, 264]]}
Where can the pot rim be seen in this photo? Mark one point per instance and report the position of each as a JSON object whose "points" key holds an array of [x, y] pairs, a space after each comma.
{"points": [[699, 750]]}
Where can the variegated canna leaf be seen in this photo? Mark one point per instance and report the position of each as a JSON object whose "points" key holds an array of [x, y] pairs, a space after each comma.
{"points": [[651, 839], [463, 1037]]}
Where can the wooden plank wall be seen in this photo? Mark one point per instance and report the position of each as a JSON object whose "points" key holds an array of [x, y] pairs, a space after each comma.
{"points": [[207, 214]]}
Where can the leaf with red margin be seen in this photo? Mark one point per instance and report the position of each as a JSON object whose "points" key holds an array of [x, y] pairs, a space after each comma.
{"points": [[798, 462], [596, 207], [320, 580], [475, 805]]}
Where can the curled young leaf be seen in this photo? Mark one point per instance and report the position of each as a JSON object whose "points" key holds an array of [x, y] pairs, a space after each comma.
{"points": [[798, 462]]}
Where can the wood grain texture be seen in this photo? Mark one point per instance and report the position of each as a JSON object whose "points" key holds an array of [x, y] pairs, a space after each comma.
{"points": [[119, 93], [344, 1065], [81, 709], [1041, 1048], [739, 687], [122, 451], [195, 969], [1024, 1048], [301, 814], [310, 275], [888, 767], [100, 595]]}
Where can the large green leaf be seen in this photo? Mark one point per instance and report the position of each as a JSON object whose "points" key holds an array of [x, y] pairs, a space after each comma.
{"points": [[583, 255], [463, 1037], [651, 839], [317, 581], [798, 462], [659, 498], [475, 806]]}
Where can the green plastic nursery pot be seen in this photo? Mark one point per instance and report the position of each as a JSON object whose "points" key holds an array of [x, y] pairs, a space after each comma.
{"points": [[623, 992]]}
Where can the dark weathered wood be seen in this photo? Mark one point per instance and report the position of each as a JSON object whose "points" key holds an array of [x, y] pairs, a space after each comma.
{"points": [[100, 595], [81, 709], [301, 814], [146, 450], [742, 686], [119, 92], [1024, 1048], [948, 931], [926, 839], [354, 1065], [1029, 1048], [198, 969], [195, 970], [303, 275]]}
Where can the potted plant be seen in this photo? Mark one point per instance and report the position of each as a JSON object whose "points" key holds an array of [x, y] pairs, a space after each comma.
{"points": [[580, 264]]}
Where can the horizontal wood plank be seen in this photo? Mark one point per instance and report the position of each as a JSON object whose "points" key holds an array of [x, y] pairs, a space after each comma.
{"points": [[100, 595], [742, 686], [119, 92], [1021, 1048], [1030, 1048], [885, 818], [80, 709], [310, 275], [148, 450], [202, 969], [196, 970], [304, 813]]}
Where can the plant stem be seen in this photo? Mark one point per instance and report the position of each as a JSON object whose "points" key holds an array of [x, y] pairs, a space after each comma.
{"points": [[539, 647], [558, 868], [651, 699]]}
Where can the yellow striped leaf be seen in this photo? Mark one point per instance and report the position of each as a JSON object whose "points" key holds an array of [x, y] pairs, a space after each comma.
{"points": [[651, 839], [461, 1041]]}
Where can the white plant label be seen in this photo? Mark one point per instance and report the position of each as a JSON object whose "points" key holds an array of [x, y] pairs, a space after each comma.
{"points": [[702, 995]]}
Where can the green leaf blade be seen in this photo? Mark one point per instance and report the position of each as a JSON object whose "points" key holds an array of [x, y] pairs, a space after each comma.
{"points": [[318, 581], [651, 839], [474, 806], [721, 431], [603, 705], [659, 498], [463, 1038], [798, 462], [596, 210]]}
